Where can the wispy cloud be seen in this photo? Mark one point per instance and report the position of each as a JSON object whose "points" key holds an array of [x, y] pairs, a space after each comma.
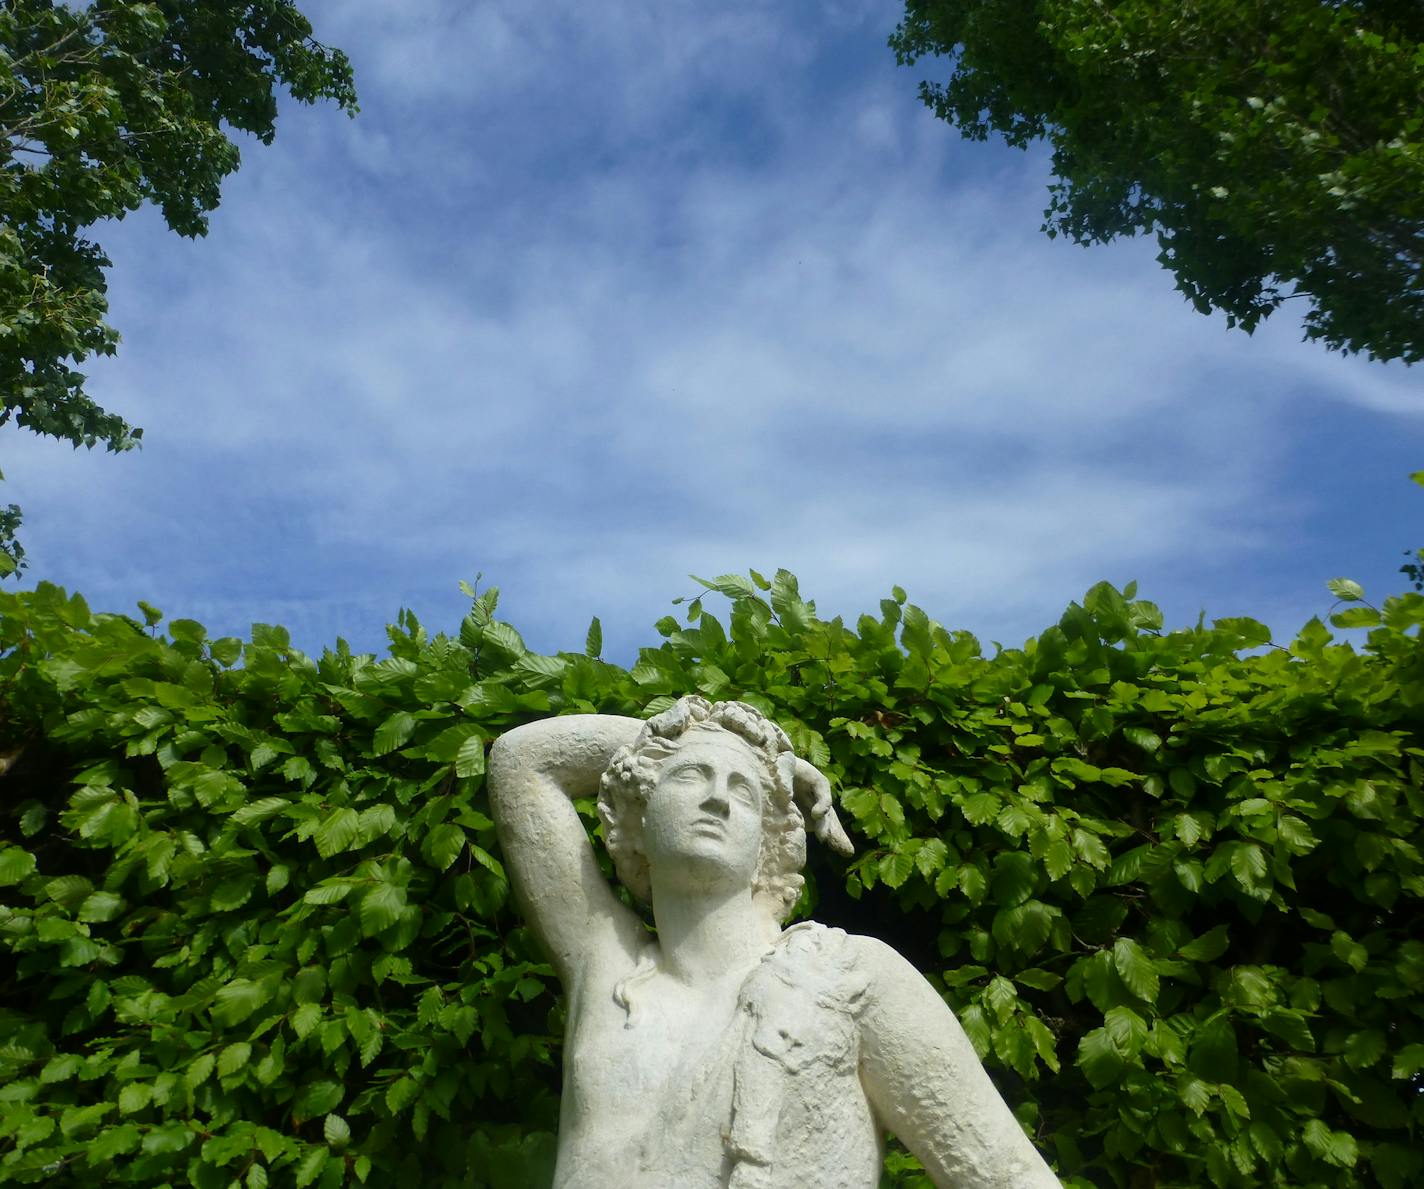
{"points": [[547, 309]]}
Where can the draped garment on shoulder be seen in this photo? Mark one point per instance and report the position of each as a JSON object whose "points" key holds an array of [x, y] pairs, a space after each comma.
{"points": [[776, 1101]]}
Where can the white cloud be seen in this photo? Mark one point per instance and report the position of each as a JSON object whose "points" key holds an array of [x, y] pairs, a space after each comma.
{"points": [[411, 351]]}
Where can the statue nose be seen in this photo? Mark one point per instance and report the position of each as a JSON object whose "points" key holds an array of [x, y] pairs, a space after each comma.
{"points": [[717, 802]]}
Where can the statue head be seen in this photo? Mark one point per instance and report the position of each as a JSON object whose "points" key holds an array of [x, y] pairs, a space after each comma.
{"points": [[692, 724]]}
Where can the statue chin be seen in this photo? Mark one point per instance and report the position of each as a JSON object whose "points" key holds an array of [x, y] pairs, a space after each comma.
{"points": [[704, 870]]}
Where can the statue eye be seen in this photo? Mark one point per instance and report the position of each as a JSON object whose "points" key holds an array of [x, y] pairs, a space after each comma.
{"points": [[747, 790]]}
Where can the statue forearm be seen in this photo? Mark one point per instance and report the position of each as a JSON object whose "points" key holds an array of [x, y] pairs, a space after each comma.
{"points": [[535, 771], [571, 752]]}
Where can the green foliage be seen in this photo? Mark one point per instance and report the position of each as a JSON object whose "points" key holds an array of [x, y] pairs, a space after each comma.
{"points": [[1276, 150], [105, 107], [12, 553], [256, 929], [1413, 569]]}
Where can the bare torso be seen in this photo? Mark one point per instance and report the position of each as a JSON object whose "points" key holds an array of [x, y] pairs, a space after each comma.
{"points": [[618, 1065], [687, 1064]]}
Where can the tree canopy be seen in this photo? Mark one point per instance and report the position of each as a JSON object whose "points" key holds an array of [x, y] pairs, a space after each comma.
{"points": [[105, 107], [255, 930], [1276, 150]]}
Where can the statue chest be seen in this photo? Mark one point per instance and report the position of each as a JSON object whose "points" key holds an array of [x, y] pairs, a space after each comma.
{"points": [[633, 1079], [621, 1060], [751, 1085]]}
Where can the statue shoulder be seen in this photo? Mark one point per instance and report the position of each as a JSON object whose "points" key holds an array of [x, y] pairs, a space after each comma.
{"points": [[880, 959], [859, 978], [818, 990], [813, 951]]}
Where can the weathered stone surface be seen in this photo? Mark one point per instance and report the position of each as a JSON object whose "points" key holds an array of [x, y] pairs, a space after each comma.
{"points": [[725, 1052]]}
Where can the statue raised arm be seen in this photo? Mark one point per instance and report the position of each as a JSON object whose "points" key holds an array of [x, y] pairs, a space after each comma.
{"points": [[535, 773], [724, 1052]]}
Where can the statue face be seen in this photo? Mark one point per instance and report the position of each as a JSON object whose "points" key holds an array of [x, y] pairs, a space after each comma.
{"points": [[702, 820]]}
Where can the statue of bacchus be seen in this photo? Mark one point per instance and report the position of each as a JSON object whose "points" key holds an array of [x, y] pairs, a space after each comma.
{"points": [[722, 1051]]}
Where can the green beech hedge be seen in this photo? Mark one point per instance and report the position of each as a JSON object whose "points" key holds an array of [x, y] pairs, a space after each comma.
{"points": [[254, 927]]}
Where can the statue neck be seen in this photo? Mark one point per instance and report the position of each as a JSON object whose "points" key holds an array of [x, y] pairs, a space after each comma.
{"points": [[705, 936]]}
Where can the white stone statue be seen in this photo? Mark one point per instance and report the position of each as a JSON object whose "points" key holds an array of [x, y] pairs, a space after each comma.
{"points": [[723, 1051]]}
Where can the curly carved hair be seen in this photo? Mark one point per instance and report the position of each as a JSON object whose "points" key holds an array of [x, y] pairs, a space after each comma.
{"points": [[633, 771]]}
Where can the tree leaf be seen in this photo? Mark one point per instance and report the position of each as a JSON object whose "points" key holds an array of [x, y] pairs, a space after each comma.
{"points": [[1408, 1061], [317, 1098], [1099, 1059], [1148, 741], [1058, 859], [895, 868], [442, 846], [470, 759], [1213, 1053], [1363, 1049], [1290, 1026], [60, 1068], [1090, 849], [1347, 590], [1234, 1101], [260, 810], [135, 1097], [234, 1058], [393, 733], [15, 864], [1014, 878], [381, 907], [1334, 1147], [338, 832], [1039, 980], [199, 1070], [1356, 617], [234, 893], [337, 1132], [310, 1166], [501, 639], [238, 1000], [100, 906], [167, 1138], [1194, 1093], [331, 891], [1000, 997], [401, 1093], [305, 1018], [1127, 1031]]}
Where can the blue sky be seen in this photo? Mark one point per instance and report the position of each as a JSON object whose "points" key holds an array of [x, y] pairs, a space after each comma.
{"points": [[590, 297]]}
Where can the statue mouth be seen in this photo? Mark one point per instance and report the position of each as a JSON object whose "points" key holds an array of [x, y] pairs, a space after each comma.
{"points": [[709, 826]]}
